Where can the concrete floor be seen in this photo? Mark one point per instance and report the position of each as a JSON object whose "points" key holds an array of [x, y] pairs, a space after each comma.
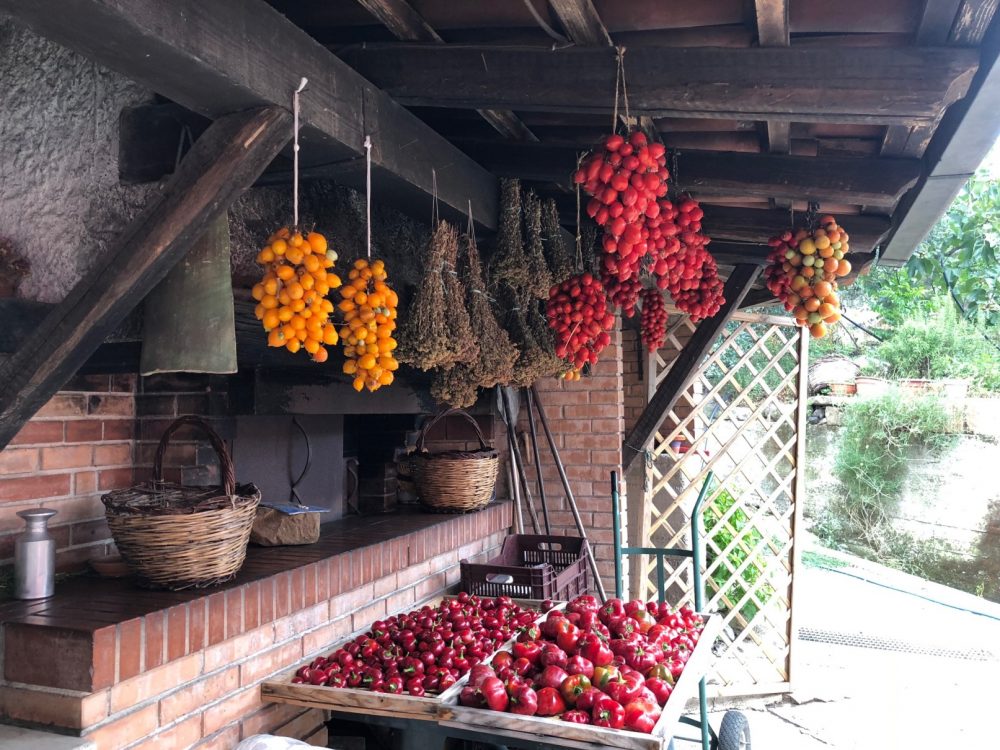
{"points": [[904, 688]]}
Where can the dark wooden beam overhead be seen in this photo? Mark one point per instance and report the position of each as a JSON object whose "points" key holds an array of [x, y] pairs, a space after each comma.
{"points": [[402, 20], [407, 24], [779, 136], [936, 20], [972, 22], [772, 23], [878, 85], [758, 226], [226, 55], [685, 367], [836, 179], [581, 22], [222, 164]]}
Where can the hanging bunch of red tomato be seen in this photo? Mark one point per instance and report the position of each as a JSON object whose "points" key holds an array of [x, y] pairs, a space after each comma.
{"points": [[653, 322], [577, 311]]}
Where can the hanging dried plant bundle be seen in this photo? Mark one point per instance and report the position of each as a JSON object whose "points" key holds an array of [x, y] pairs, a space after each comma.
{"points": [[539, 275], [429, 338], [510, 263], [456, 307], [534, 362], [495, 364], [557, 253], [589, 235]]}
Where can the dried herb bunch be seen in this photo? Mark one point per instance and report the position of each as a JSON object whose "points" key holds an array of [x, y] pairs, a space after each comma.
{"points": [[534, 361], [436, 331], [497, 354], [539, 275], [557, 254], [510, 262]]}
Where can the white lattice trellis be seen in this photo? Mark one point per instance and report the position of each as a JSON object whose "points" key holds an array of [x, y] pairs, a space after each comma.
{"points": [[741, 420]]}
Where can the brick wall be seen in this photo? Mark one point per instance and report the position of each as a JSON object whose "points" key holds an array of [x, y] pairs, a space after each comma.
{"points": [[586, 418], [633, 376], [189, 676], [78, 446]]}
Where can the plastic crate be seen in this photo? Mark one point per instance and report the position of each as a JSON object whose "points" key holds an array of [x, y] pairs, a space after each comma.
{"points": [[531, 567]]}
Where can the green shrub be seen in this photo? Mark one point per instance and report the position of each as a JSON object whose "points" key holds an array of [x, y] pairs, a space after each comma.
{"points": [[875, 442], [722, 537]]}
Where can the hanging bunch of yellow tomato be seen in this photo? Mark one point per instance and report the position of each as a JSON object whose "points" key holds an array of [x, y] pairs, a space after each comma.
{"points": [[369, 308], [291, 296], [803, 270]]}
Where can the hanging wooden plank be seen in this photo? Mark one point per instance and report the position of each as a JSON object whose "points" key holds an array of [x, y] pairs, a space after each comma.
{"points": [[222, 163], [831, 179], [685, 368], [228, 55], [580, 20], [407, 24], [886, 85]]}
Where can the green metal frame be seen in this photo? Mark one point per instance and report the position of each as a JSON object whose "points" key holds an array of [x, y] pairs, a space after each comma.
{"points": [[695, 553]]}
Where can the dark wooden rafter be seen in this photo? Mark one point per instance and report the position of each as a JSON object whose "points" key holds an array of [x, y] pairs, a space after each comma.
{"points": [[685, 367], [222, 164], [407, 24], [581, 22], [838, 179], [228, 55], [772, 22], [913, 85], [772, 31], [758, 226]]}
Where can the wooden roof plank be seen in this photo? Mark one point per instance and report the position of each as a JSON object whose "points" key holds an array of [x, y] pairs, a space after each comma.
{"points": [[772, 23], [405, 23], [872, 181], [227, 55], [880, 85]]}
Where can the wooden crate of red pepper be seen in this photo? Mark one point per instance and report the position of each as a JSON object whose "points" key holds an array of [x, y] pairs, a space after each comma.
{"points": [[612, 675], [405, 664]]}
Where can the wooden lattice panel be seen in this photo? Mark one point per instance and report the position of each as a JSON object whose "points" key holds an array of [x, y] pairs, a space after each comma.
{"points": [[739, 419]]}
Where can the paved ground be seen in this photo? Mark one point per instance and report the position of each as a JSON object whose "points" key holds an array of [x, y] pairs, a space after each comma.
{"points": [[922, 675]]}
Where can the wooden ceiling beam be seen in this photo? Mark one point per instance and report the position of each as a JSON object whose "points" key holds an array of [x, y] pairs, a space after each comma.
{"points": [[838, 179], [772, 23], [219, 167], [227, 55], [685, 367], [407, 24], [886, 85], [758, 226], [581, 22]]}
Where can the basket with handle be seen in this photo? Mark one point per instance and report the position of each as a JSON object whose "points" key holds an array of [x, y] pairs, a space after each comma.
{"points": [[454, 481], [176, 537]]}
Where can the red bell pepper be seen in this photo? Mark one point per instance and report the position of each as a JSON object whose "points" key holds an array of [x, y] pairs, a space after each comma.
{"points": [[494, 693], [586, 700], [608, 712], [550, 703], [595, 650], [523, 700], [567, 635], [579, 665], [552, 676], [641, 716], [659, 688], [530, 650], [603, 676], [625, 688], [573, 687], [576, 717]]}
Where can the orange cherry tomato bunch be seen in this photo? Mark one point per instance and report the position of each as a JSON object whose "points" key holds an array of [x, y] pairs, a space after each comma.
{"points": [[803, 270], [291, 296], [369, 308]]}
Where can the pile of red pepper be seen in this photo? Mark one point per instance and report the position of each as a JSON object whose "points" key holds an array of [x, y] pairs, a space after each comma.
{"points": [[610, 666], [423, 652]]}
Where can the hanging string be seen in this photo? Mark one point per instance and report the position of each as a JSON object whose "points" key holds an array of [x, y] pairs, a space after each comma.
{"points": [[621, 72], [579, 236], [435, 218], [295, 150], [618, 79], [368, 193]]}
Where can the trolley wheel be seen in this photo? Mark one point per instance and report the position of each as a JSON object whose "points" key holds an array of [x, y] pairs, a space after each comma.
{"points": [[734, 732]]}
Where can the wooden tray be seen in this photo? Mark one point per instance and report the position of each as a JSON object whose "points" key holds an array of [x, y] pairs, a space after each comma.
{"points": [[554, 731], [280, 689]]}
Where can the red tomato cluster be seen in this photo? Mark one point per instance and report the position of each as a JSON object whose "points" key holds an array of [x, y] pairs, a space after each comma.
{"points": [[423, 652], [577, 312], [653, 323], [685, 268], [803, 270], [611, 665]]}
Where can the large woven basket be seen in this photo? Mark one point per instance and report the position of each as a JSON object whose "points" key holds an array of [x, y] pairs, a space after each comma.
{"points": [[175, 537], [454, 481]]}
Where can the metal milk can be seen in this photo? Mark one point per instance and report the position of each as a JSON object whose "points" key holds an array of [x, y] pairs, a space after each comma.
{"points": [[35, 556]]}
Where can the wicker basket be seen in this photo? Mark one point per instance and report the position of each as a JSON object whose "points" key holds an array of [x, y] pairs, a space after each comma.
{"points": [[175, 537], [454, 481]]}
